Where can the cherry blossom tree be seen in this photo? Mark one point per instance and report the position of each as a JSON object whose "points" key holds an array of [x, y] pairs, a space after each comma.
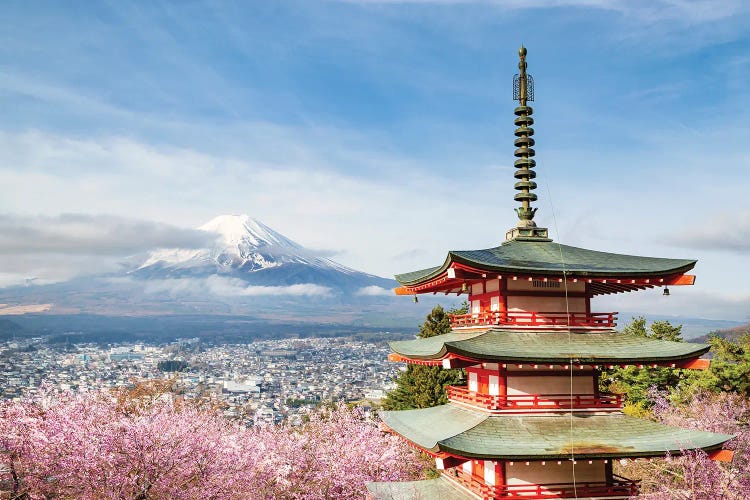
{"points": [[93, 446], [693, 475]]}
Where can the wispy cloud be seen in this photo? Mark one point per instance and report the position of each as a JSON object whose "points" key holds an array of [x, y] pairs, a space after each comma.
{"points": [[43, 249], [655, 10], [374, 291], [222, 286], [83, 234], [729, 232]]}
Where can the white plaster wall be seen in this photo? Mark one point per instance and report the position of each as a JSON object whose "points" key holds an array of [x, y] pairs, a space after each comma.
{"points": [[493, 285], [489, 472], [476, 307], [477, 289], [473, 382], [494, 303], [536, 473], [546, 304], [549, 384], [494, 385]]}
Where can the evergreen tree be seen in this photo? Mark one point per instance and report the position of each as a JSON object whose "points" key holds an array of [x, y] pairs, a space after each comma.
{"points": [[730, 368], [635, 382], [424, 386]]}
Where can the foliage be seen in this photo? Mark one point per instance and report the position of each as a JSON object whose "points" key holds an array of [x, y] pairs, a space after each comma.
{"points": [[693, 475], [730, 367], [94, 446], [635, 382], [424, 386], [171, 365], [729, 371]]}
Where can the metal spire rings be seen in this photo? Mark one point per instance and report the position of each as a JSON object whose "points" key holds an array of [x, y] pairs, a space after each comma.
{"points": [[523, 91]]}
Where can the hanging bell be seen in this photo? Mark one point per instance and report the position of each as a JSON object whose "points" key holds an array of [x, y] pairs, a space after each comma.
{"points": [[464, 287], [666, 292], [416, 299]]}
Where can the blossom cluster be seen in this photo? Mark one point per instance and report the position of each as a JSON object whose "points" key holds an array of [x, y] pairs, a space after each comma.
{"points": [[693, 475], [94, 447]]}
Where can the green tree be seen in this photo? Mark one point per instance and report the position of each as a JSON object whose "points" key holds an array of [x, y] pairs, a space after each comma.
{"points": [[424, 386], [730, 368], [635, 382]]}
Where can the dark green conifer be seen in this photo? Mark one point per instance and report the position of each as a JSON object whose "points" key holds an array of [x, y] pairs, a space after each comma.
{"points": [[424, 386]]}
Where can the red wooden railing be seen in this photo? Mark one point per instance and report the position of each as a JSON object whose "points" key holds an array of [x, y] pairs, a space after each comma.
{"points": [[534, 319], [534, 401], [619, 486]]}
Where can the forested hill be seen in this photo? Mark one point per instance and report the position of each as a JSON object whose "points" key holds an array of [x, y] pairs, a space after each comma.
{"points": [[733, 333]]}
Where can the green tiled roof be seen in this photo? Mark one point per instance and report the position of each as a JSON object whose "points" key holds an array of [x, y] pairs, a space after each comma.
{"points": [[440, 488], [537, 257], [474, 434], [514, 346]]}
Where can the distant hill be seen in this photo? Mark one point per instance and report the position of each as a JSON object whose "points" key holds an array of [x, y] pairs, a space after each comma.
{"points": [[733, 333], [9, 329]]}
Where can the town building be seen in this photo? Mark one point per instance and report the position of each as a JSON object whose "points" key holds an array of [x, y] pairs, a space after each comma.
{"points": [[531, 421]]}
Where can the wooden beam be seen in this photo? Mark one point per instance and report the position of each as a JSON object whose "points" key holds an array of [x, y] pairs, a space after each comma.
{"points": [[721, 455], [696, 364], [682, 280]]}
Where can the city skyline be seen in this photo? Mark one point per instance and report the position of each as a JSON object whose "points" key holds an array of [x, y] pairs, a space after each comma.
{"points": [[347, 124]]}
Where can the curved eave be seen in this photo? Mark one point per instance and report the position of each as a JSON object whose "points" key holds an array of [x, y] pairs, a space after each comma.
{"points": [[499, 345], [546, 264], [441, 488], [473, 435]]}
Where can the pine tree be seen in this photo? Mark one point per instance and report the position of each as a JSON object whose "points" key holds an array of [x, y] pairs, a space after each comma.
{"points": [[635, 382], [424, 386]]}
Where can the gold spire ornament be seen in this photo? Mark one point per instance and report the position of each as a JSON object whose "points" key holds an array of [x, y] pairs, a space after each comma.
{"points": [[523, 92]]}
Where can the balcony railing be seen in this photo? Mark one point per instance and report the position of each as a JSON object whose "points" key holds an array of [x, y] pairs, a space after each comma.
{"points": [[534, 319], [618, 487], [534, 401]]}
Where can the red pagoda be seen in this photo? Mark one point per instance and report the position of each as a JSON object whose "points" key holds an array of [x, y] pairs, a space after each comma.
{"points": [[531, 421]]}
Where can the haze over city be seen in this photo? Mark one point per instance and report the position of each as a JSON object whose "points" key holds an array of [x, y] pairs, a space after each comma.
{"points": [[378, 133]]}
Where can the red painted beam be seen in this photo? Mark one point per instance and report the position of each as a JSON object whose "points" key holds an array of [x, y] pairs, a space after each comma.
{"points": [[721, 455], [696, 364]]}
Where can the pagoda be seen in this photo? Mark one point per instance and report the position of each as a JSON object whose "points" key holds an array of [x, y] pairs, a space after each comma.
{"points": [[531, 421]]}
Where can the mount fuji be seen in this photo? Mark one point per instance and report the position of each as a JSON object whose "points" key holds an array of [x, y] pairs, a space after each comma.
{"points": [[247, 278], [245, 249]]}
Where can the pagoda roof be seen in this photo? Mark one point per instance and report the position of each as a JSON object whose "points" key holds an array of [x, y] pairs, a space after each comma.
{"points": [[514, 346], [442, 488], [551, 259], [469, 433]]}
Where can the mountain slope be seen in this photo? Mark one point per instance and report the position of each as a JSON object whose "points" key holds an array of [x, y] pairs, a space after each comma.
{"points": [[246, 249]]}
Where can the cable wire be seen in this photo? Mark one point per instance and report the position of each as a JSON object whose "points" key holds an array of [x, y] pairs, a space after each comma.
{"points": [[570, 340]]}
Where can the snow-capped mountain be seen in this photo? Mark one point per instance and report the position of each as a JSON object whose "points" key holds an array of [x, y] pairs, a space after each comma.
{"points": [[247, 249]]}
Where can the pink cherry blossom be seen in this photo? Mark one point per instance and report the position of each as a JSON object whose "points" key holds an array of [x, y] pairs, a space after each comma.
{"points": [[90, 447]]}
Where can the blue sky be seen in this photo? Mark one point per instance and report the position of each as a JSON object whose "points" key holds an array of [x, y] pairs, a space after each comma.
{"points": [[380, 131]]}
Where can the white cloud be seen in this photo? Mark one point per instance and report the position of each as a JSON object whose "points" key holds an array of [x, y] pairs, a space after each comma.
{"points": [[43, 249], [727, 232], [83, 234], [374, 291], [222, 286]]}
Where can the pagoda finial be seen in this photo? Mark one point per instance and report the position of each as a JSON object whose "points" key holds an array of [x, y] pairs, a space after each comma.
{"points": [[523, 91]]}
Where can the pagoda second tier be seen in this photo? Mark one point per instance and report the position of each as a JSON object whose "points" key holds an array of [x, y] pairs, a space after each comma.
{"points": [[505, 345]]}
